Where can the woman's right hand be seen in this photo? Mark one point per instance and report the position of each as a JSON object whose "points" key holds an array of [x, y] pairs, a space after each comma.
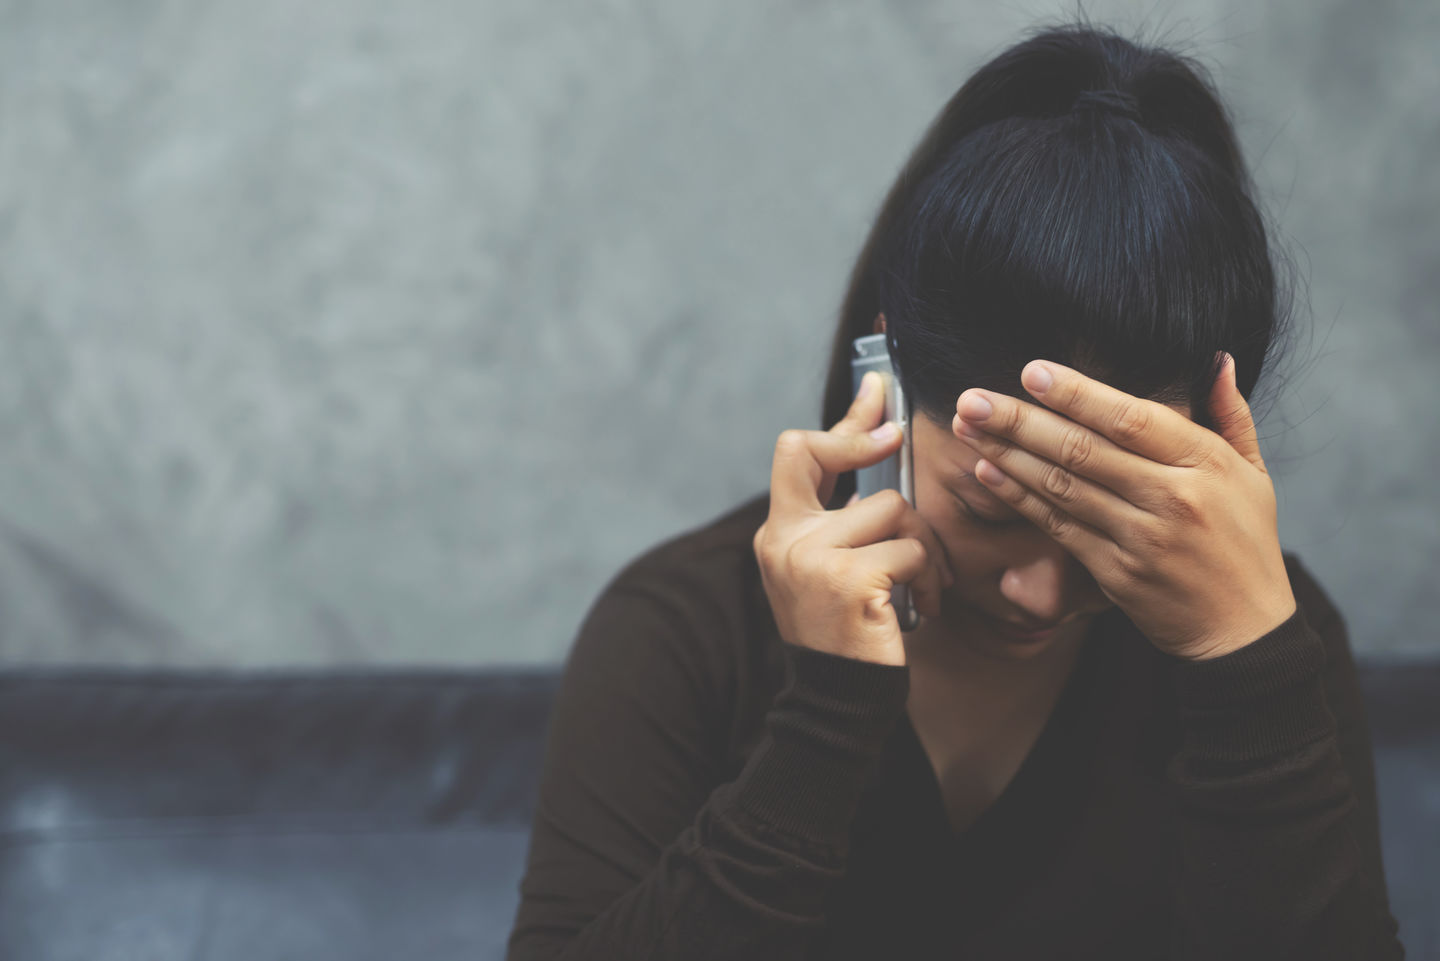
{"points": [[829, 574]]}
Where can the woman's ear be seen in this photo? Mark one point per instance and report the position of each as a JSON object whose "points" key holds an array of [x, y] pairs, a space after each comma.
{"points": [[879, 323]]}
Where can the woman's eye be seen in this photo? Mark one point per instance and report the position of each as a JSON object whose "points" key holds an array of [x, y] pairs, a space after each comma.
{"points": [[986, 522]]}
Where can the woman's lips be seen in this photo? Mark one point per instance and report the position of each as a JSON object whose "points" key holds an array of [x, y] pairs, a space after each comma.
{"points": [[1013, 630], [1029, 635]]}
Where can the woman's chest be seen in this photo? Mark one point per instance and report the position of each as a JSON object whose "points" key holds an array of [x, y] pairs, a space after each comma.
{"points": [[974, 752], [1072, 831], [971, 774]]}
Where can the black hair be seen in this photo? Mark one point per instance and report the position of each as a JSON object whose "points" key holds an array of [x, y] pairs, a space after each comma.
{"points": [[1081, 198]]}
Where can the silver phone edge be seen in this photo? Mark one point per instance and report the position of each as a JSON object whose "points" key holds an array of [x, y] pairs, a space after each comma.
{"points": [[901, 598]]}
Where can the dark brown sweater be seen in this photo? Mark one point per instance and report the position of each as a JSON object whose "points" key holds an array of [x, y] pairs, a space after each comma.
{"points": [[711, 791]]}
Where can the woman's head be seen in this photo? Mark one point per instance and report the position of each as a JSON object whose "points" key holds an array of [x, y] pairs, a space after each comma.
{"points": [[1081, 199]]}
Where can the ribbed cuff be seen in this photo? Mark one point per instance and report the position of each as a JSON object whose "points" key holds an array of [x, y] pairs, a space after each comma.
{"points": [[823, 735], [1263, 700]]}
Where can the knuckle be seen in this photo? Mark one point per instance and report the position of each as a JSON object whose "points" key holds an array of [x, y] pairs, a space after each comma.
{"points": [[1182, 503], [798, 562], [1077, 448], [1207, 461], [765, 548], [1059, 524], [1140, 541], [790, 441], [1013, 418], [918, 558], [1068, 394], [1132, 420], [1130, 564], [1060, 484], [892, 501]]}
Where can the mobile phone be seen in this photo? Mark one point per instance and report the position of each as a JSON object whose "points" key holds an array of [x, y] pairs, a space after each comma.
{"points": [[897, 471]]}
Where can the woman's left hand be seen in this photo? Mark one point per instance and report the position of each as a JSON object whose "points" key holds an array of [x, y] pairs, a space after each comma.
{"points": [[1175, 522]]}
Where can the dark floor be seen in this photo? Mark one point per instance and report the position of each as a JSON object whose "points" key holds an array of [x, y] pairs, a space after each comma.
{"points": [[363, 817]]}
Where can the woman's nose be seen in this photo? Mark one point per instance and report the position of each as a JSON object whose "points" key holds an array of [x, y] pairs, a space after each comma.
{"points": [[1049, 585]]}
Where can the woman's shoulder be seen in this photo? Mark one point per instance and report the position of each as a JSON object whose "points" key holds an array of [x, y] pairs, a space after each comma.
{"points": [[708, 567], [1323, 614], [714, 548], [694, 600], [1320, 608]]}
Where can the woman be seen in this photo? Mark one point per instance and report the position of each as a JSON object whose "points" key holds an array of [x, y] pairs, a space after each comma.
{"points": [[748, 758]]}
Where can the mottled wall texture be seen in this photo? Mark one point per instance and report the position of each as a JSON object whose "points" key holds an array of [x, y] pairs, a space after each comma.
{"points": [[351, 332]]}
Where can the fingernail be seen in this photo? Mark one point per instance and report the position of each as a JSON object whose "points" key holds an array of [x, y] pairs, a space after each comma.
{"points": [[975, 407], [867, 383], [1038, 377], [885, 431]]}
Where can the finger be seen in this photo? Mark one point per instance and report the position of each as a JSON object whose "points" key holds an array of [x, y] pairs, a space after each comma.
{"points": [[1100, 507], [808, 461], [868, 520], [866, 413], [929, 584], [886, 514], [868, 407], [1059, 440], [1095, 549], [1230, 413], [899, 561], [1146, 427]]}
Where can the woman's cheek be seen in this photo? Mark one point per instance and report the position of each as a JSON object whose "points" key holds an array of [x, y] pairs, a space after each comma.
{"points": [[969, 552], [968, 555]]}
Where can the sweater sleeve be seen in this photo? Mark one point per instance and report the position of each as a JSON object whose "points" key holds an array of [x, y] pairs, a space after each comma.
{"points": [[639, 851], [1279, 848]]}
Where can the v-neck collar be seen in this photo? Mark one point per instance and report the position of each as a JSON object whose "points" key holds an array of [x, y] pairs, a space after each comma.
{"points": [[935, 887], [1035, 768], [983, 866]]}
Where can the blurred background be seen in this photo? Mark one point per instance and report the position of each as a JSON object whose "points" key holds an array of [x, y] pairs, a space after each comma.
{"points": [[353, 333]]}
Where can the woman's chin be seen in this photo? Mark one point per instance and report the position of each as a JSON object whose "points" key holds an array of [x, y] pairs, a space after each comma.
{"points": [[991, 637]]}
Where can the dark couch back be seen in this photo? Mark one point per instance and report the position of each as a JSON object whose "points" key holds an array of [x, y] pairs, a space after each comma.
{"points": [[378, 816]]}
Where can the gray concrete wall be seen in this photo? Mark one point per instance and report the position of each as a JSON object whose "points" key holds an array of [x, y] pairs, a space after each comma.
{"points": [[351, 332]]}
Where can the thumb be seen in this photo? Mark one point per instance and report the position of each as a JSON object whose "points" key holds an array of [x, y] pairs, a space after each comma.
{"points": [[1231, 415]]}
